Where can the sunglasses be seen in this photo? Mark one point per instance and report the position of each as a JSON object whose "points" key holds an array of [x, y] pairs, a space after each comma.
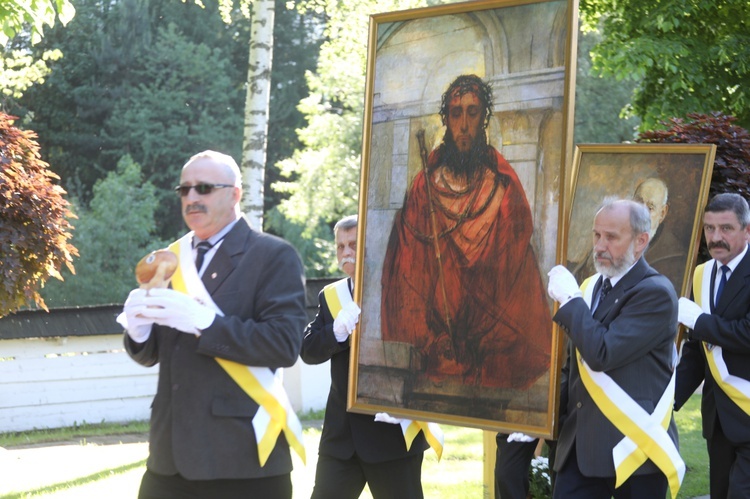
{"points": [[202, 189]]}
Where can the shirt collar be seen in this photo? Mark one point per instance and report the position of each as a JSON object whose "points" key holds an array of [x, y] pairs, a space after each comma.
{"points": [[735, 261], [614, 280], [216, 238]]}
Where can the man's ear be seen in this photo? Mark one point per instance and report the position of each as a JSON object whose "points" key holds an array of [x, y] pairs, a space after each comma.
{"points": [[641, 240], [664, 212]]}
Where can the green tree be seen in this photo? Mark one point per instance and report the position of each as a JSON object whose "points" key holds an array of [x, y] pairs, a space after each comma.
{"points": [[322, 178], [184, 103], [108, 257], [602, 103], [25, 21], [687, 56], [98, 102], [34, 228], [16, 15]]}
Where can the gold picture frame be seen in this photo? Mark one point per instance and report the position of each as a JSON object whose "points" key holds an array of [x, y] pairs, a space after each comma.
{"points": [[460, 331], [671, 179]]}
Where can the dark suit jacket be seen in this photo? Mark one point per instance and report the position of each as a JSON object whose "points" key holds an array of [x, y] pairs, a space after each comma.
{"points": [[201, 421], [345, 433], [630, 337], [729, 328]]}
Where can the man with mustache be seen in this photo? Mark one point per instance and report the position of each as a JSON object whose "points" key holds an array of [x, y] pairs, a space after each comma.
{"points": [[717, 352], [460, 281], [232, 317], [355, 449], [618, 437]]}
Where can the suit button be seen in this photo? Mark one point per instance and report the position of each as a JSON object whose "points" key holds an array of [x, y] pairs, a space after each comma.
{"points": [[175, 387], [578, 405]]}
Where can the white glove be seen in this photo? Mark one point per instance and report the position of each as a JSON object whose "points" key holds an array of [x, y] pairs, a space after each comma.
{"points": [[520, 437], [688, 312], [132, 317], [562, 285], [171, 308], [384, 417], [345, 322]]}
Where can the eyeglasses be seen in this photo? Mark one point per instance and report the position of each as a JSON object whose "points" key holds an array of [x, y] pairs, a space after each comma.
{"points": [[202, 189]]}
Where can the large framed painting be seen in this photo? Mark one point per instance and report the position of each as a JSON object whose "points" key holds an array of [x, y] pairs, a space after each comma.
{"points": [[466, 138], [672, 180]]}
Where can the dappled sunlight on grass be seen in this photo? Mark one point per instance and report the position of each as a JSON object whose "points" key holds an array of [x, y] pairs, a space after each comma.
{"points": [[692, 449]]}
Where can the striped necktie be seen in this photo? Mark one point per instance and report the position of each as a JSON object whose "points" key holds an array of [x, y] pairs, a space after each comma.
{"points": [[202, 248]]}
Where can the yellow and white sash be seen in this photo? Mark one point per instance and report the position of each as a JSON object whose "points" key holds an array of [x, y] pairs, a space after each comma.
{"points": [[264, 386], [736, 388], [338, 296], [646, 434]]}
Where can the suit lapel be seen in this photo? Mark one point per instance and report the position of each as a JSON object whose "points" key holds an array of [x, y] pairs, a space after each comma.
{"points": [[633, 277], [736, 283], [223, 262]]}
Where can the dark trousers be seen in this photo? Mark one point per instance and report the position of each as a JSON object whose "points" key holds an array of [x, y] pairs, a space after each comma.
{"points": [[512, 467], [512, 463], [154, 486], [729, 466], [570, 483], [346, 478]]}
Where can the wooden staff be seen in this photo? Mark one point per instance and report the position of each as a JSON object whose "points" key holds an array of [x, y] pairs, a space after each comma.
{"points": [[433, 223]]}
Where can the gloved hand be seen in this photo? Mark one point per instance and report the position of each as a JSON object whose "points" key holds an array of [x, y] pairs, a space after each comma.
{"points": [[171, 308], [133, 317], [520, 437], [345, 321], [562, 285], [384, 417], [688, 312]]}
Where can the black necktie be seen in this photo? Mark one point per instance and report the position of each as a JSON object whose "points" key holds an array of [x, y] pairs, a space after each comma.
{"points": [[202, 248], [722, 282], [604, 291]]}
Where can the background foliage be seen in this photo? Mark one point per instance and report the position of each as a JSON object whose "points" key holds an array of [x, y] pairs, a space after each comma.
{"points": [[157, 81], [685, 55], [35, 230], [731, 172], [104, 271]]}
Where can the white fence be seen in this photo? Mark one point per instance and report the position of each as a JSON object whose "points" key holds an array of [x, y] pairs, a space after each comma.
{"points": [[63, 381]]}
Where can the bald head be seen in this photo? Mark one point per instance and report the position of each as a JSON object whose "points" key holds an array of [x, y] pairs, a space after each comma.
{"points": [[653, 193]]}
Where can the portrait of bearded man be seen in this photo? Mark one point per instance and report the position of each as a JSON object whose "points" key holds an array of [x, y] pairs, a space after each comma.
{"points": [[460, 282]]}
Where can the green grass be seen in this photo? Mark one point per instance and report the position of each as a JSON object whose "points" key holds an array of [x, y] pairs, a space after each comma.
{"points": [[458, 474], [82, 431], [692, 449], [76, 482]]}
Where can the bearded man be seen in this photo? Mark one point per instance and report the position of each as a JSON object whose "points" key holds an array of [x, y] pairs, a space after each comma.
{"points": [[619, 377], [460, 280]]}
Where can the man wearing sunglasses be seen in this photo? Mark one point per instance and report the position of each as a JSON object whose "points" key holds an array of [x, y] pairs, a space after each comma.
{"points": [[232, 317]]}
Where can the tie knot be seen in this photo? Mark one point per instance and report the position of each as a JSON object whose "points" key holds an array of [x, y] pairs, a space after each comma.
{"points": [[606, 286], [724, 269], [203, 246]]}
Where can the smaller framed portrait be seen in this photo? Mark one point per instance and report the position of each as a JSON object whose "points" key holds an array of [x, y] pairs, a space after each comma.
{"points": [[672, 180]]}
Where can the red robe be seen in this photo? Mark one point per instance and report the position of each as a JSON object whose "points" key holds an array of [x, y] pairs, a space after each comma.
{"points": [[486, 322]]}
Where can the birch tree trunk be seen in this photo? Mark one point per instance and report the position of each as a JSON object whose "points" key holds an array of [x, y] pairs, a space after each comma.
{"points": [[256, 110]]}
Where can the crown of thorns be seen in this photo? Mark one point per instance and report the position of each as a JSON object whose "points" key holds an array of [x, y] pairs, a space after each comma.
{"points": [[465, 84]]}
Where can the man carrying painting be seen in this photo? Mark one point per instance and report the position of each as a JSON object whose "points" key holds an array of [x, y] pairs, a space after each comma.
{"points": [[356, 449], [717, 352], [618, 438]]}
